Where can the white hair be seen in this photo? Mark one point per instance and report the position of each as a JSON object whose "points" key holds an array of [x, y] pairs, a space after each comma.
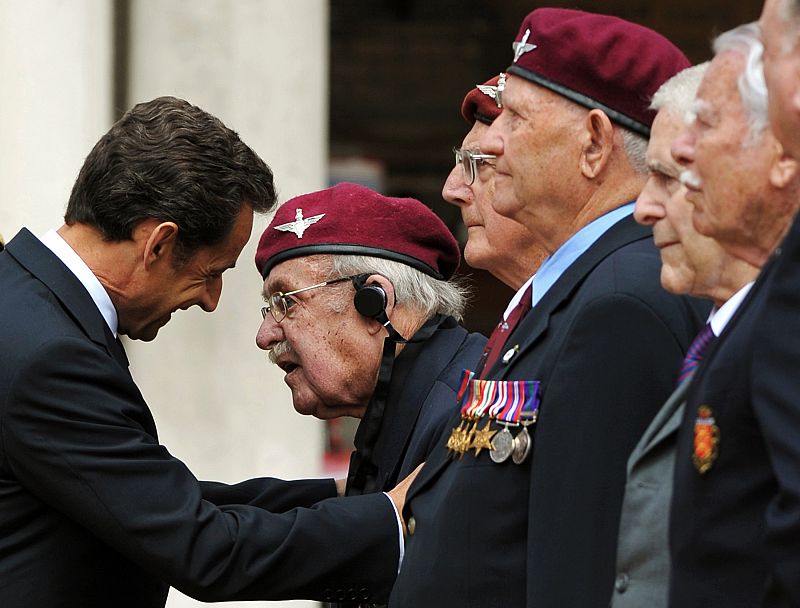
{"points": [[746, 41], [412, 288], [789, 10], [677, 94], [635, 149]]}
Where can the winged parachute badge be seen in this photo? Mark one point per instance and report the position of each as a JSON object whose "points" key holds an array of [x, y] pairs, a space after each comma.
{"points": [[522, 47], [299, 225], [488, 90]]}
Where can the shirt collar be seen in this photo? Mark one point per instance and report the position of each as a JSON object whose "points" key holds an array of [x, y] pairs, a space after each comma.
{"points": [[517, 298], [555, 265], [61, 249], [719, 317]]}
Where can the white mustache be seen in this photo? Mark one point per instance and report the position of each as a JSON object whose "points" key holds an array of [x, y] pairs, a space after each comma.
{"points": [[690, 180], [281, 348]]}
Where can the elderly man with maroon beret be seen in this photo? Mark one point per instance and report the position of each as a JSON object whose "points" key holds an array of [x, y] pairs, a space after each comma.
{"points": [[495, 243], [362, 316], [590, 350]]}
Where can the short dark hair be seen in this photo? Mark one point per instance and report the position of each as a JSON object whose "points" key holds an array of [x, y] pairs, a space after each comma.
{"points": [[166, 159]]}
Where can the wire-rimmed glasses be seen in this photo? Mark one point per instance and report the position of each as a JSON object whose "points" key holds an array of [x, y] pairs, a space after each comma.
{"points": [[469, 161], [279, 303]]}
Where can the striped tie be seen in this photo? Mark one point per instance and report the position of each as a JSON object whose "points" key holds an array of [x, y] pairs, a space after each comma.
{"points": [[501, 333], [696, 351]]}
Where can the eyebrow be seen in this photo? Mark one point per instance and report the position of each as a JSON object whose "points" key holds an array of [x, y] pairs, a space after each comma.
{"points": [[656, 166], [278, 285], [699, 106]]}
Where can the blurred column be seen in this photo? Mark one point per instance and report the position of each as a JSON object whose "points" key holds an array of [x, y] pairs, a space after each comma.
{"points": [[260, 66], [55, 103]]}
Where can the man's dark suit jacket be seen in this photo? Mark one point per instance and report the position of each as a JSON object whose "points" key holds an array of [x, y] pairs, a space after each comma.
{"points": [[606, 342], [95, 513], [422, 391], [735, 529]]}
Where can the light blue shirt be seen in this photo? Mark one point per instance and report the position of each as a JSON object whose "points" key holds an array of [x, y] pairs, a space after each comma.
{"points": [[555, 265]]}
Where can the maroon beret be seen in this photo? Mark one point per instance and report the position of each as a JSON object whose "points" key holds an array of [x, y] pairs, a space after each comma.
{"points": [[350, 219], [481, 103], [597, 61]]}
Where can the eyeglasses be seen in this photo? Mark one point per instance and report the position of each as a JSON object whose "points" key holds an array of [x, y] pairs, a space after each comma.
{"points": [[501, 86], [469, 161], [279, 303]]}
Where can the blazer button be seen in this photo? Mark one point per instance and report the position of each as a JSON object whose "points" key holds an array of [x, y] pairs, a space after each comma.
{"points": [[622, 582], [411, 525]]}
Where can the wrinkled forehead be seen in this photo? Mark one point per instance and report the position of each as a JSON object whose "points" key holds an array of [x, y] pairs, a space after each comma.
{"points": [[667, 126], [472, 139], [295, 273]]}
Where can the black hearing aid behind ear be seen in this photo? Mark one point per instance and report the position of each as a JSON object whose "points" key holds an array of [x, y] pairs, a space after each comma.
{"points": [[370, 300]]}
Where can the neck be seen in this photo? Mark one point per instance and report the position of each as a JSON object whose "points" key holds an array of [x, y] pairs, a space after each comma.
{"points": [[735, 275], [607, 193], [112, 262]]}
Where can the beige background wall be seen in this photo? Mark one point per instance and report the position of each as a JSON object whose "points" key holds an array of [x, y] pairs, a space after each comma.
{"points": [[261, 66]]}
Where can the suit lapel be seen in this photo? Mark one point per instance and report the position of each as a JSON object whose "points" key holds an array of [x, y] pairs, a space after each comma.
{"points": [[758, 289], [536, 321], [406, 395], [37, 259], [664, 424], [427, 366]]}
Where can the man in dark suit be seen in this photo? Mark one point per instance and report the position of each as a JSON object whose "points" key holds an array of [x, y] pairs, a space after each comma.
{"points": [[386, 265], [734, 511], [522, 498], [691, 264], [93, 511]]}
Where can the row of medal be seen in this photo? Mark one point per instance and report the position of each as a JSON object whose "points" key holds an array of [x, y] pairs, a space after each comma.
{"points": [[509, 403]]}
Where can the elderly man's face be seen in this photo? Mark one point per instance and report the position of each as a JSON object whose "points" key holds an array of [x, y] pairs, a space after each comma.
{"points": [[782, 73], [492, 240], [727, 170], [690, 261], [323, 344], [536, 141]]}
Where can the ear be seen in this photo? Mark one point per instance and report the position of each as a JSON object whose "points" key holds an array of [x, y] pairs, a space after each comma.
{"points": [[160, 240], [381, 281], [597, 143], [783, 170]]}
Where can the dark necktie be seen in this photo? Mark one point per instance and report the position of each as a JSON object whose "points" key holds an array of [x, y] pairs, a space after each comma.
{"points": [[503, 330], [696, 352]]}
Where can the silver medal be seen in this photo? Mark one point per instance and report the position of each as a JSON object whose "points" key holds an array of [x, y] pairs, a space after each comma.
{"points": [[502, 445], [522, 446]]}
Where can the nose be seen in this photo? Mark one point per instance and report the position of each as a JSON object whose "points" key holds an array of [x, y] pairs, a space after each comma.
{"points": [[269, 333], [649, 208], [683, 147], [211, 295], [455, 191]]}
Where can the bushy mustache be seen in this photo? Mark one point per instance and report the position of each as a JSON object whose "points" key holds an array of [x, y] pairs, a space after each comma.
{"points": [[690, 180], [280, 349]]}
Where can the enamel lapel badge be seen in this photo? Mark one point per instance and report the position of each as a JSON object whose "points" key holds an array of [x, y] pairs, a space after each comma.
{"points": [[706, 439]]}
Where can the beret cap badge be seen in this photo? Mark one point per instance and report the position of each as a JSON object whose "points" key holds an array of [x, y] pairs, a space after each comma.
{"points": [[522, 47], [300, 224]]}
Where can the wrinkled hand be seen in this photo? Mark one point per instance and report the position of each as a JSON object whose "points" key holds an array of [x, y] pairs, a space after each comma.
{"points": [[341, 486], [398, 493]]}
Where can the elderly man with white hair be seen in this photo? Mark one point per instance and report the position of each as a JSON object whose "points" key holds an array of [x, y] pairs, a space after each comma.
{"points": [[734, 498], [691, 264]]}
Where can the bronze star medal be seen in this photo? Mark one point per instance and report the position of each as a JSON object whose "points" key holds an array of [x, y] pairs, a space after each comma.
{"points": [[482, 439]]}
